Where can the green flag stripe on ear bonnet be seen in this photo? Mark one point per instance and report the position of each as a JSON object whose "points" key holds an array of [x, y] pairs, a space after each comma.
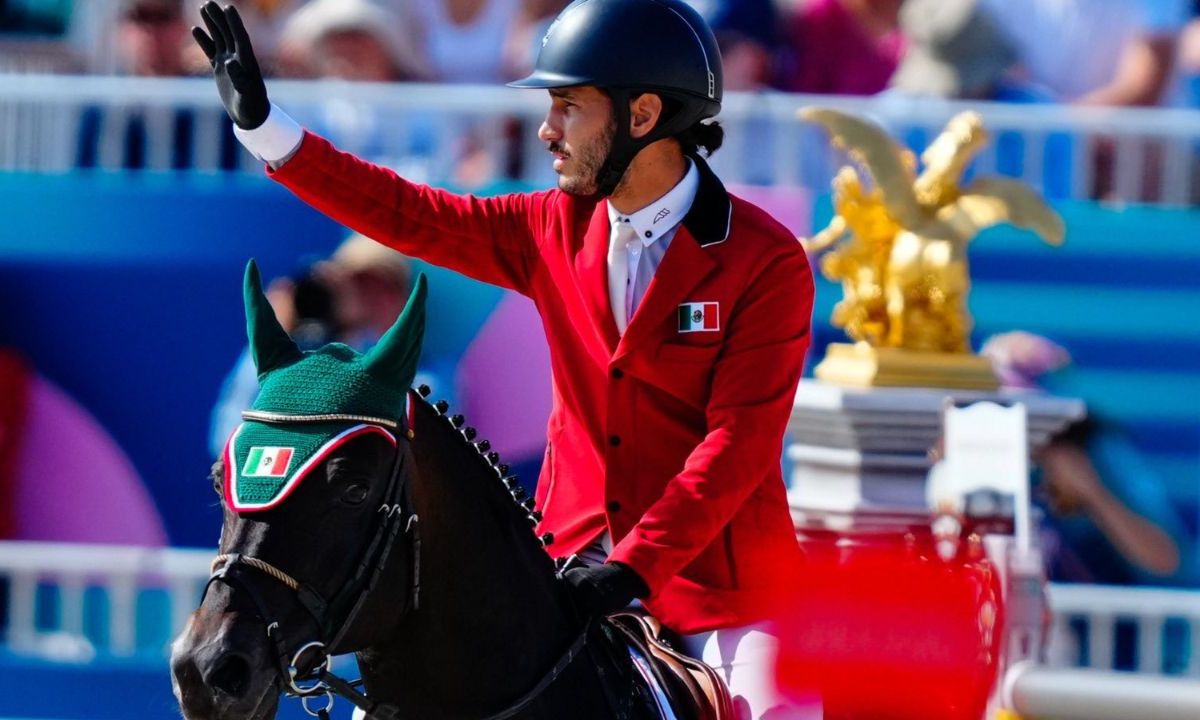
{"points": [[335, 379]]}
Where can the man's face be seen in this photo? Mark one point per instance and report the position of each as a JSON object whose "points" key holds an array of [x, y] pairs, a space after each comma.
{"points": [[151, 39], [578, 130]]}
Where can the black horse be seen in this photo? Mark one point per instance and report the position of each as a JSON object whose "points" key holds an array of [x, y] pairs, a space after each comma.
{"points": [[407, 544]]}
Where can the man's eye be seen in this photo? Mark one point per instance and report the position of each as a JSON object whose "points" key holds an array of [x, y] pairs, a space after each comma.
{"points": [[355, 494]]}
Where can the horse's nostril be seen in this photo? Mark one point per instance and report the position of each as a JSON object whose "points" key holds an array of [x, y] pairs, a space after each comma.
{"points": [[231, 676]]}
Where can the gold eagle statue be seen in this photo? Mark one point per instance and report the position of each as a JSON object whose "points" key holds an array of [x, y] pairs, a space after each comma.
{"points": [[903, 265]]}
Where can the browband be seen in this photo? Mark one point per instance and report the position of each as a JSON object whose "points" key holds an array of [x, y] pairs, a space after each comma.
{"points": [[273, 417]]}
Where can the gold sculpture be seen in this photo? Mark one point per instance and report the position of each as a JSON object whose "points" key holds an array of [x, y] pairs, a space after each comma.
{"points": [[899, 250]]}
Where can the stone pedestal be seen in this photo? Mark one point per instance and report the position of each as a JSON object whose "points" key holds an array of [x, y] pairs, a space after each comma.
{"points": [[855, 449]]}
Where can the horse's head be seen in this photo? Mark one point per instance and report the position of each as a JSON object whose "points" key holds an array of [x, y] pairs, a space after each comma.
{"points": [[315, 551]]}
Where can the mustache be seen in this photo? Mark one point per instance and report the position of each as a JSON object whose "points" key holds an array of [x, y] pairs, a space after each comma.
{"points": [[555, 147]]}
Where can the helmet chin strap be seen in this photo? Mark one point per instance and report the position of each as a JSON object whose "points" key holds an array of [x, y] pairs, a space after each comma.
{"points": [[625, 147]]}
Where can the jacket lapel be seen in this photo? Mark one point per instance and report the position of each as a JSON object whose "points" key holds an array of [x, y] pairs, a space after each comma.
{"points": [[684, 266], [591, 267]]}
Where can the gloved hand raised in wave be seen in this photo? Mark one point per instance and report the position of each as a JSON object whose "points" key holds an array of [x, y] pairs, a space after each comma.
{"points": [[239, 80]]}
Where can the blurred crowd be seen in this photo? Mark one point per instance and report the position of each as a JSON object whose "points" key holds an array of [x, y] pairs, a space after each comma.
{"points": [[1088, 52]]}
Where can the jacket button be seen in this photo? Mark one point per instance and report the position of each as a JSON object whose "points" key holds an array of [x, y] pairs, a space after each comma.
{"points": [[618, 373], [614, 506], [614, 440]]}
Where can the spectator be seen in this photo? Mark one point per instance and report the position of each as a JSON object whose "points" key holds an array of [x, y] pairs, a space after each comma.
{"points": [[371, 282], [1094, 52], [358, 40], [465, 40], [154, 42], [844, 47], [954, 51], [1110, 519], [263, 18], [350, 40], [1100, 52], [152, 38]]}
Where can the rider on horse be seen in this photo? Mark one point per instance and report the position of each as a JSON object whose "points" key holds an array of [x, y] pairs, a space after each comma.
{"points": [[677, 314]]}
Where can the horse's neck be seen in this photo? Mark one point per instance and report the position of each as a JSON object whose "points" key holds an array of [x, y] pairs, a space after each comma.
{"points": [[490, 622]]}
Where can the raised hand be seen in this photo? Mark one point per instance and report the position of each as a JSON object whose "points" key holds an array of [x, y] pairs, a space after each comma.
{"points": [[239, 80]]}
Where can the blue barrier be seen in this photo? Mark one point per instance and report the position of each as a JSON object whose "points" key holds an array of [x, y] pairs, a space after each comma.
{"points": [[102, 690]]}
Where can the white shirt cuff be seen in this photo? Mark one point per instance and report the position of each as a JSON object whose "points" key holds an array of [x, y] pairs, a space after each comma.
{"points": [[275, 141]]}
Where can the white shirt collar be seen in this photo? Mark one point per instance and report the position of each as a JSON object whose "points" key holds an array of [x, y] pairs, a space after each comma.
{"points": [[661, 216]]}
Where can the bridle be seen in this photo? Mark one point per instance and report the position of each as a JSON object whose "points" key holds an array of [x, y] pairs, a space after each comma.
{"points": [[333, 616], [235, 569]]}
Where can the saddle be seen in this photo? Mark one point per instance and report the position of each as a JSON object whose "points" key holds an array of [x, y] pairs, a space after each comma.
{"points": [[693, 690]]}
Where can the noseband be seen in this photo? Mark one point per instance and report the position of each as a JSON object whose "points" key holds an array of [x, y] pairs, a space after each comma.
{"points": [[334, 616]]}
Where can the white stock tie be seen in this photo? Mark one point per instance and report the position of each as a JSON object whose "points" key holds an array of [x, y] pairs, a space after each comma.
{"points": [[620, 275]]}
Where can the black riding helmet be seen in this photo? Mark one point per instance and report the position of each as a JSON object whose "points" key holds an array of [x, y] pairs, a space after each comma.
{"points": [[629, 47]]}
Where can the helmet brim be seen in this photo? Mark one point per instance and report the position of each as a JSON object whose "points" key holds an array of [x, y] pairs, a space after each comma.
{"points": [[539, 79]]}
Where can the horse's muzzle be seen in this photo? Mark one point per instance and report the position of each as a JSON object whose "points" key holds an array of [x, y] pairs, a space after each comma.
{"points": [[220, 670]]}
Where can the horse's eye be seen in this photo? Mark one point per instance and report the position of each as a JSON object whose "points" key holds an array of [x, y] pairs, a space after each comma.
{"points": [[355, 494]]}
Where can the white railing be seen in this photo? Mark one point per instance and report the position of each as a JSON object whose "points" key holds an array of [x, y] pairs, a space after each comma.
{"points": [[1087, 620], [1146, 154], [33, 570], [1037, 693], [123, 574]]}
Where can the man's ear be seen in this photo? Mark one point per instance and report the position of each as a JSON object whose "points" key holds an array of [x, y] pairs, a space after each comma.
{"points": [[644, 113]]}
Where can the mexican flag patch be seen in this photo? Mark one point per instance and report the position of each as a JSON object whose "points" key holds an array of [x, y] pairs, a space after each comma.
{"points": [[699, 317], [265, 462], [268, 461]]}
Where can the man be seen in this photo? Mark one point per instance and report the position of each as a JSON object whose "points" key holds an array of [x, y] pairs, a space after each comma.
{"points": [[844, 47], [677, 315]]}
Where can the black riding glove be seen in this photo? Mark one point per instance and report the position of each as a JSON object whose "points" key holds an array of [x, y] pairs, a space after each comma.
{"points": [[239, 81], [602, 589]]}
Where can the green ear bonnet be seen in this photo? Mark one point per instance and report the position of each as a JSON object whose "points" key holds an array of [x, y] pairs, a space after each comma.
{"points": [[311, 403]]}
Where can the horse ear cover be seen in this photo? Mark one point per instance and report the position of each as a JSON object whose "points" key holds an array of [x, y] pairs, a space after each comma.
{"points": [[270, 345], [264, 462]]}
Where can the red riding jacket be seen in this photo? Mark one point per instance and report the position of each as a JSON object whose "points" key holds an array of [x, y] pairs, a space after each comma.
{"points": [[671, 440]]}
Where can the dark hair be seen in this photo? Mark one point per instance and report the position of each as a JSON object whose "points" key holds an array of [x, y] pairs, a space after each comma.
{"points": [[707, 134], [1078, 433]]}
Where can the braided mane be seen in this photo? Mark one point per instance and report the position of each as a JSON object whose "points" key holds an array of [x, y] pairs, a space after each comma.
{"points": [[515, 496]]}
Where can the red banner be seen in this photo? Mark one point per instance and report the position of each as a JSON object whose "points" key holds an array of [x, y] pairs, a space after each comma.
{"points": [[884, 629]]}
